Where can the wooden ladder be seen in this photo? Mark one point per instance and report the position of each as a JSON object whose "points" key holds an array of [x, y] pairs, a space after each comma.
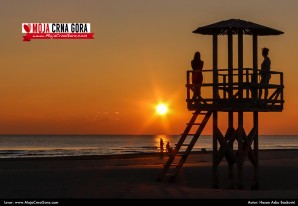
{"points": [[171, 168]]}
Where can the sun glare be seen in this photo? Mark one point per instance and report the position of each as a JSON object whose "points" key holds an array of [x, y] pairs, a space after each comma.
{"points": [[161, 109]]}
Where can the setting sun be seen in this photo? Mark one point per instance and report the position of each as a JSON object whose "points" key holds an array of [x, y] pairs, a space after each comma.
{"points": [[161, 109]]}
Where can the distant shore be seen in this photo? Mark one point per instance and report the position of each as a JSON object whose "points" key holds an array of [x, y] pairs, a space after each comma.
{"points": [[134, 176]]}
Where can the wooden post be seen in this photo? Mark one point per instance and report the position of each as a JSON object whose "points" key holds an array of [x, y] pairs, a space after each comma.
{"points": [[230, 95], [224, 87], [256, 151], [215, 67], [282, 90], [240, 114], [255, 114], [240, 64], [215, 95], [230, 74], [247, 81], [255, 67], [230, 63]]}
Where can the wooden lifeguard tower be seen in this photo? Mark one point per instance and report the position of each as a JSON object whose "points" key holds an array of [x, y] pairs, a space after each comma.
{"points": [[233, 91]]}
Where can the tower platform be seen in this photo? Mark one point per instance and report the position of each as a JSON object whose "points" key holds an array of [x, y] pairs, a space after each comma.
{"points": [[228, 98]]}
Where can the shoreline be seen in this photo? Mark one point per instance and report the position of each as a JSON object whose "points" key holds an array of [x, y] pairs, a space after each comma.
{"points": [[116, 156]]}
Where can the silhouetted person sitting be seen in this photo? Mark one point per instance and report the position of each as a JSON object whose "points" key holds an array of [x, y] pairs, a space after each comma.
{"points": [[197, 76], [169, 149], [265, 72]]}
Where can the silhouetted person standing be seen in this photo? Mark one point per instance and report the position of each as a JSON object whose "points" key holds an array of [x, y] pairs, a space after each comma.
{"points": [[197, 76], [265, 72], [161, 145]]}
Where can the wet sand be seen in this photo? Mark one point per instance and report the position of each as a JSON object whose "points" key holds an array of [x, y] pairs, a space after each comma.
{"points": [[134, 177]]}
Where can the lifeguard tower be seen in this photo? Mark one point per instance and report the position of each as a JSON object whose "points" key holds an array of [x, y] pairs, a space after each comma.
{"points": [[233, 92]]}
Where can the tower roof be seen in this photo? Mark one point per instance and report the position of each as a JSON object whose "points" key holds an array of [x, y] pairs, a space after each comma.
{"points": [[236, 25]]}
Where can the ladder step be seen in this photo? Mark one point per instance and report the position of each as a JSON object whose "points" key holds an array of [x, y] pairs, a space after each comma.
{"points": [[194, 123], [200, 113], [189, 134], [184, 144], [172, 165]]}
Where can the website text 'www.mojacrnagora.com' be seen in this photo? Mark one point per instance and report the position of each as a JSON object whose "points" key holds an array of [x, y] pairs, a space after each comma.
{"points": [[30, 202]]}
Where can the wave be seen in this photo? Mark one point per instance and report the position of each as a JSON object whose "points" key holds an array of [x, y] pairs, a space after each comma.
{"points": [[50, 146]]}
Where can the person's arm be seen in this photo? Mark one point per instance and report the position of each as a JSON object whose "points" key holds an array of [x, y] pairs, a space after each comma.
{"points": [[202, 65], [192, 64], [263, 67], [267, 65]]}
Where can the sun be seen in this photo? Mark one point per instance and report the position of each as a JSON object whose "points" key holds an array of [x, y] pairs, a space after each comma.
{"points": [[162, 109]]}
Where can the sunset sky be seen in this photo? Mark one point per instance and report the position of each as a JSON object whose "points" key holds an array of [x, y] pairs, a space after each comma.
{"points": [[139, 57]]}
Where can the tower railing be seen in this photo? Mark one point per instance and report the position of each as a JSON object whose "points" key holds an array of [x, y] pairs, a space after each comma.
{"points": [[250, 100]]}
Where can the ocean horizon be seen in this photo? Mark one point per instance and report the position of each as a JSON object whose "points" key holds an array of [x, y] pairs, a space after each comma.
{"points": [[26, 146]]}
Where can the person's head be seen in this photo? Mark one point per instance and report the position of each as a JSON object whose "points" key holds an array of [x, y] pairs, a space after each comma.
{"points": [[197, 56], [265, 52]]}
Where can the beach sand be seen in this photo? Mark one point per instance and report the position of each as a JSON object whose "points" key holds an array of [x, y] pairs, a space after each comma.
{"points": [[134, 176]]}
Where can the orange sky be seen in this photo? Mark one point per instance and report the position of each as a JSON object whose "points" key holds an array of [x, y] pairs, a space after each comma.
{"points": [[139, 56]]}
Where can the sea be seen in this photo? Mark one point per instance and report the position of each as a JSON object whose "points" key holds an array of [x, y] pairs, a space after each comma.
{"points": [[27, 146]]}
